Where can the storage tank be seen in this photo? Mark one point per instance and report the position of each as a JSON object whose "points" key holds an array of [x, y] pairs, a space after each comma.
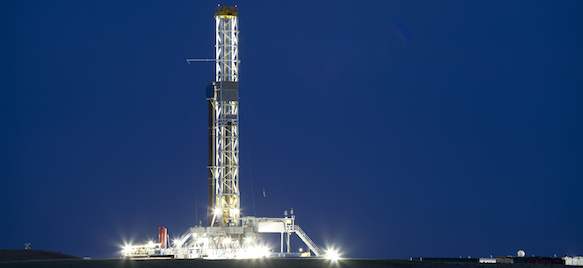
{"points": [[162, 236]]}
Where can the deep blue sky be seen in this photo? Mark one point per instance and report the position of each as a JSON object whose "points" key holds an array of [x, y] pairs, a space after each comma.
{"points": [[395, 128]]}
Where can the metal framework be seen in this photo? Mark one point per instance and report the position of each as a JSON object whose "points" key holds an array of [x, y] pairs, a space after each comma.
{"points": [[227, 44], [223, 97], [228, 235]]}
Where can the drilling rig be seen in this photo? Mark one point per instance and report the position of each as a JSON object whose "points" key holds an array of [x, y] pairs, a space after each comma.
{"points": [[223, 111], [228, 235]]}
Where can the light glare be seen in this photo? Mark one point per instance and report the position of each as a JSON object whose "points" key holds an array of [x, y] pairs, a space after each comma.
{"points": [[332, 255]]}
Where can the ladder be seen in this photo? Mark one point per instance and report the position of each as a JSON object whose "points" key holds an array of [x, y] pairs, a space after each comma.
{"points": [[307, 240]]}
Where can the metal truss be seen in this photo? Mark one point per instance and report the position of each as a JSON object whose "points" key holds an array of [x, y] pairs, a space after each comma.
{"points": [[227, 44], [225, 171], [224, 103]]}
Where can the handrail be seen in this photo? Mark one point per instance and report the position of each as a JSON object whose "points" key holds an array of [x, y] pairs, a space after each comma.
{"points": [[298, 230]]}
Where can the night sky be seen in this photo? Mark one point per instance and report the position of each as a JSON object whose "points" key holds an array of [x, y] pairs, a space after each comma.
{"points": [[392, 128]]}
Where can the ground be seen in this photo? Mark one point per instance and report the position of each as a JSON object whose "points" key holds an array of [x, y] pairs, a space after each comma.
{"points": [[23, 255], [271, 263]]}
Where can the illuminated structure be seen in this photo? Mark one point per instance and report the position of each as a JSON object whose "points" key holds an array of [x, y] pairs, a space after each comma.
{"points": [[228, 235], [223, 98]]}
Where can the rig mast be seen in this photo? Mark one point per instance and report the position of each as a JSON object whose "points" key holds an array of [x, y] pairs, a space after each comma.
{"points": [[228, 235], [223, 105]]}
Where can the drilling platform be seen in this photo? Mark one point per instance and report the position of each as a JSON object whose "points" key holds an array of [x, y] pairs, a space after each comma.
{"points": [[227, 235]]}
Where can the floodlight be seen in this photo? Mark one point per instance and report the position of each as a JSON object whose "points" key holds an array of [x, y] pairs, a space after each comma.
{"points": [[332, 255]]}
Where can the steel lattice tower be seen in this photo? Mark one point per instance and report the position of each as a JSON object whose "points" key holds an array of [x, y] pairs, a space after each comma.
{"points": [[223, 97], [228, 235]]}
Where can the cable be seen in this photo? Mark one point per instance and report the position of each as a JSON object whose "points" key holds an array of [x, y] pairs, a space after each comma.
{"points": [[193, 148], [268, 157], [250, 176]]}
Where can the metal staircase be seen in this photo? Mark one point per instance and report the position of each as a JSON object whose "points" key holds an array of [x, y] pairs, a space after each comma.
{"points": [[307, 240]]}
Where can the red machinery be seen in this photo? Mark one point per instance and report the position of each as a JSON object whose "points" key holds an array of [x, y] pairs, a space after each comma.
{"points": [[162, 236]]}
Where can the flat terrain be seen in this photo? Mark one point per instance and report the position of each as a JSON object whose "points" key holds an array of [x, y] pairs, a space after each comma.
{"points": [[271, 263], [31, 254]]}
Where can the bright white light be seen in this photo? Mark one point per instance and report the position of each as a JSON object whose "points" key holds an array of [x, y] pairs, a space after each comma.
{"points": [[176, 242], [227, 241], [332, 255], [253, 253], [150, 243], [127, 249]]}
